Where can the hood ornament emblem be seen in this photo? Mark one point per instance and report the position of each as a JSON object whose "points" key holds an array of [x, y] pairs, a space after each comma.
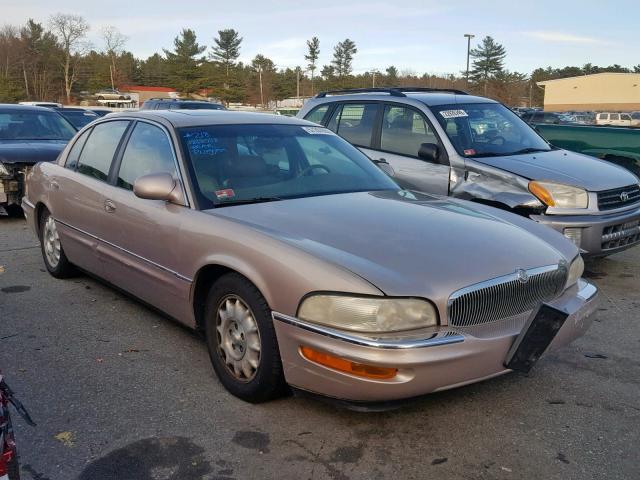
{"points": [[624, 196], [523, 276]]}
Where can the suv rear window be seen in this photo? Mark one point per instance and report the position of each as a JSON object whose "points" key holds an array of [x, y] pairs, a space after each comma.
{"points": [[317, 114], [354, 122]]}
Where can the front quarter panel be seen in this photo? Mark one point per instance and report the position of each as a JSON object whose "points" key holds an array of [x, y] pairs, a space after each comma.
{"points": [[283, 273]]}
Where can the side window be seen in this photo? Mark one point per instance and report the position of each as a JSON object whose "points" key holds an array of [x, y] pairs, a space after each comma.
{"points": [[354, 122], [148, 151], [74, 154], [614, 116], [624, 116], [404, 130], [317, 114], [100, 147]]}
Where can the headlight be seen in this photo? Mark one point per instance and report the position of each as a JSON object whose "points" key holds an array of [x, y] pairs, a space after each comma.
{"points": [[368, 314], [576, 269], [558, 195], [3, 170]]}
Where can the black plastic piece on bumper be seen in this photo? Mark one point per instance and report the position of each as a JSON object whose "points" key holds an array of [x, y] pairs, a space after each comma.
{"points": [[537, 334]]}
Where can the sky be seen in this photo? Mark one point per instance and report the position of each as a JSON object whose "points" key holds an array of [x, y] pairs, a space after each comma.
{"points": [[419, 36]]}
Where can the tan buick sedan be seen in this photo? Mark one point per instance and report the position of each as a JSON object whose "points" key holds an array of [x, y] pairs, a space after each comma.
{"points": [[300, 260]]}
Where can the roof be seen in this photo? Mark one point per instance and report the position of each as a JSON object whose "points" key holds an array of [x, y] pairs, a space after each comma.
{"points": [[631, 76], [429, 99], [144, 88], [195, 118], [28, 108]]}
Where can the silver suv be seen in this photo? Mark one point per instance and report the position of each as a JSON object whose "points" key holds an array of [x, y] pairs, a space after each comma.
{"points": [[450, 143]]}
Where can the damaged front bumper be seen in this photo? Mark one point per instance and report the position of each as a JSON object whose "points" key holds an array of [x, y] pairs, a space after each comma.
{"points": [[442, 358]]}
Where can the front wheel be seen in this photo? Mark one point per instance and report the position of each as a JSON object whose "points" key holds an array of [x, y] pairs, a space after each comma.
{"points": [[52, 252], [241, 340]]}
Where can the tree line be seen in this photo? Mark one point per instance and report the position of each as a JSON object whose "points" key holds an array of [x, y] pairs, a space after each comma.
{"points": [[54, 61]]}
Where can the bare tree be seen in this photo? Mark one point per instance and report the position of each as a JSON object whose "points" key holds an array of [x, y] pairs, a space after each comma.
{"points": [[114, 43], [70, 30]]}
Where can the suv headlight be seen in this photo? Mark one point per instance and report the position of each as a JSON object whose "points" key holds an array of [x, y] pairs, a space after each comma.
{"points": [[368, 314], [559, 195], [576, 269], [3, 170]]}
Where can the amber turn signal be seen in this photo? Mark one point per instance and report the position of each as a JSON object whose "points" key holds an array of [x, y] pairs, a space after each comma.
{"points": [[542, 194], [347, 366]]}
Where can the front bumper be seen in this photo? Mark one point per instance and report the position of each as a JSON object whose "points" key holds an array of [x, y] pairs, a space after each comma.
{"points": [[603, 234], [445, 358]]}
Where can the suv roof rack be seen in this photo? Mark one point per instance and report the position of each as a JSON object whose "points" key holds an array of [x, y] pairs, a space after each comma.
{"points": [[178, 99], [393, 91]]}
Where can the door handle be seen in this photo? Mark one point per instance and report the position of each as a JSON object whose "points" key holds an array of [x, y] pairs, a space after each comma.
{"points": [[109, 206]]}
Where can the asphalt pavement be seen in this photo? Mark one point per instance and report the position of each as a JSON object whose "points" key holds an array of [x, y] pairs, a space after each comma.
{"points": [[120, 392]]}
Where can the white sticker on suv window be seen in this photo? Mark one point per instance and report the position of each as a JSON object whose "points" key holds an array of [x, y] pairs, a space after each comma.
{"points": [[453, 113], [318, 131]]}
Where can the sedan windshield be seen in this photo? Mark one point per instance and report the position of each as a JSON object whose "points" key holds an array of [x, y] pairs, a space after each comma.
{"points": [[487, 130], [34, 125], [235, 164]]}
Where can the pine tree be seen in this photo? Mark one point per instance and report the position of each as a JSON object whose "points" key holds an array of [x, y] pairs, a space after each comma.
{"points": [[227, 48], [183, 62], [312, 57], [488, 61]]}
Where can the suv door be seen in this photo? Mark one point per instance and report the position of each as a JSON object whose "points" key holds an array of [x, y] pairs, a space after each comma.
{"points": [[355, 122], [144, 250], [403, 130], [80, 192]]}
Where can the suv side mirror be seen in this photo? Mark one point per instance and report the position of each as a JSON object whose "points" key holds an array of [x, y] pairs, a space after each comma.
{"points": [[159, 186], [429, 152]]}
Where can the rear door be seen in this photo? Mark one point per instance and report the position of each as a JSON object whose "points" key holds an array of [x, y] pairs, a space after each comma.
{"points": [[80, 193], [355, 122], [402, 131], [142, 247]]}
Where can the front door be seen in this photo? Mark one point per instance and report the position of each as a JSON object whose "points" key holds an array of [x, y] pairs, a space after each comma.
{"points": [[142, 248]]}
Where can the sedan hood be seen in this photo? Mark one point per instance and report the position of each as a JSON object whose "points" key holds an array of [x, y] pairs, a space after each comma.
{"points": [[30, 151], [405, 244], [565, 167]]}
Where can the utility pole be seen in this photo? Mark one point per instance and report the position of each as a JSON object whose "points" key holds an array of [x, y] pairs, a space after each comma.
{"points": [[373, 81], [298, 83], [469, 37], [261, 95]]}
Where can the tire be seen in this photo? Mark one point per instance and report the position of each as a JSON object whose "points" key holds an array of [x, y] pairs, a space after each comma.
{"points": [[100, 97], [55, 260], [234, 308]]}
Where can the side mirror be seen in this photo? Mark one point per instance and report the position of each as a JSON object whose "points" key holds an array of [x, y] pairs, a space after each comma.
{"points": [[429, 152], [159, 186]]}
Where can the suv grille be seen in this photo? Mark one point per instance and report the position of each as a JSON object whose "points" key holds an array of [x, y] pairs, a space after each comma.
{"points": [[618, 197], [506, 296]]}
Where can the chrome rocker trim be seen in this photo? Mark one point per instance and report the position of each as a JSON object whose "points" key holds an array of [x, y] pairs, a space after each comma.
{"points": [[436, 339]]}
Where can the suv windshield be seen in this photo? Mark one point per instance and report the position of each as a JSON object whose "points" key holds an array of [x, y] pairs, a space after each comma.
{"points": [[487, 130], [25, 125], [234, 164]]}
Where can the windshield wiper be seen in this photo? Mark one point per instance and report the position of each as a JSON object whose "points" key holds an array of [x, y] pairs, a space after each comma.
{"points": [[529, 150], [245, 201]]}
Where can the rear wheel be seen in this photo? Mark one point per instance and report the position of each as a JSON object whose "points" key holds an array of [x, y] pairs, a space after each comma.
{"points": [[241, 340], [52, 252]]}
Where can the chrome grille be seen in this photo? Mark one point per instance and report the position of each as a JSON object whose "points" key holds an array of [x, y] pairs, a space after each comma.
{"points": [[618, 197], [506, 296]]}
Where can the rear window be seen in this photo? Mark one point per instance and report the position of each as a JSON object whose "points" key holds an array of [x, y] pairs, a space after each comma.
{"points": [[354, 122], [317, 114], [97, 154]]}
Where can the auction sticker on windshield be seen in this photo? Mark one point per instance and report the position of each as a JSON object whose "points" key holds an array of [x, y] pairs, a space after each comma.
{"points": [[453, 113], [318, 131]]}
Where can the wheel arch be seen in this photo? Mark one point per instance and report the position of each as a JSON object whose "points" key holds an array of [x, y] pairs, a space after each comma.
{"points": [[207, 275]]}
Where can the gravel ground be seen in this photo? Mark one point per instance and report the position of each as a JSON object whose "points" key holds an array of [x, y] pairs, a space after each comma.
{"points": [[120, 392]]}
